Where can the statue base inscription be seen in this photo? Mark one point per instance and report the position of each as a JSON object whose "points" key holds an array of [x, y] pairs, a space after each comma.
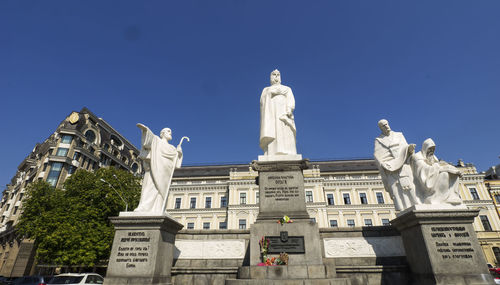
{"points": [[442, 247], [143, 250]]}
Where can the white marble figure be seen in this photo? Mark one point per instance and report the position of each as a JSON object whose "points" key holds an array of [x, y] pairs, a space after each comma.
{"points": [[159, 160], [277, 125], [392, 154], [436, 181]]}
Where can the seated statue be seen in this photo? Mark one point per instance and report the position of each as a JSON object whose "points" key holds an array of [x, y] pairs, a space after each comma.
{"points": [[436, 181]]}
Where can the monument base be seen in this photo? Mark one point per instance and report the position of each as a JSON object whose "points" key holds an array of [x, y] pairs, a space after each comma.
{"points": [[442, 247], [280, 157], [143, 250]]}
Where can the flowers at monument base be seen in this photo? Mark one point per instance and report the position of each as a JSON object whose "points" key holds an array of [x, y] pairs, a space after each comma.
{"points": [[285, 220], [264, 246], [273, 261]]}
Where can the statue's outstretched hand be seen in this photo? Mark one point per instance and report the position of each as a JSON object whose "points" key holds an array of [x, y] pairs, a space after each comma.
{"points": [[141, 126]]}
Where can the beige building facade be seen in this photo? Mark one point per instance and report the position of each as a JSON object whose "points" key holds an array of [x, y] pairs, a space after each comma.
{"points": [[338, 194]]}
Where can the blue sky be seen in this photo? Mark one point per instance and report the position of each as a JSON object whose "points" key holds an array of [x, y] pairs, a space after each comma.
{"points": [[432, 68]]}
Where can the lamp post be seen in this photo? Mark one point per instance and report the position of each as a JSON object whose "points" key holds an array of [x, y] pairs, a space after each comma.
{"points": [[126, 204]]}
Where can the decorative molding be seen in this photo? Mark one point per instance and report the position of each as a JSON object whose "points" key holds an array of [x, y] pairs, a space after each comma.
{"points": [[209, 249], [364, 247]]}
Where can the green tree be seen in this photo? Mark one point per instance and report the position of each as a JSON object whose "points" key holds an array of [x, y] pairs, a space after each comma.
{"points": [[71, 226]]}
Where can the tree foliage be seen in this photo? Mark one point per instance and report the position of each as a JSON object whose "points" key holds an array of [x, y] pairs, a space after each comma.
{"points": [[71, 226]]}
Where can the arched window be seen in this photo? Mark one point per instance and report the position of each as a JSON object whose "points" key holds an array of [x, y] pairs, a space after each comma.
{"points": [[90, 136]]}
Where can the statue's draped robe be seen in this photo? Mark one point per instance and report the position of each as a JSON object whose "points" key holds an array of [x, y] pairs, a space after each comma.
{"points": [[397, 176], [159, 160], [277, 130], [434, 184]]}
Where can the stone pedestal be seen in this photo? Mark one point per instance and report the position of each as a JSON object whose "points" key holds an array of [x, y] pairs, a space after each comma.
{"points": [[442, 247], [143, 250], [281, 188]]}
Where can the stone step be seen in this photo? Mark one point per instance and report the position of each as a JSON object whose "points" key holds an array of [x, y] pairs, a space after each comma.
{"points": [[319, 271], [322, 281]]}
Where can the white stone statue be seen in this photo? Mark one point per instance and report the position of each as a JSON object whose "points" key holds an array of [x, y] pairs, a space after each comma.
{"points": [[277, 124], [159, 160], [436, 181], [392, 154]]}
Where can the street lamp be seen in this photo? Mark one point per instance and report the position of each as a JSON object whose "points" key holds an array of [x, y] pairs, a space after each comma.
{"points": [[126, 204]]}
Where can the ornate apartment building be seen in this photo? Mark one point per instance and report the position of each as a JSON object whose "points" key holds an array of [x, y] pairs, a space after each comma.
{"points": [[82, 140], [338, 194]]}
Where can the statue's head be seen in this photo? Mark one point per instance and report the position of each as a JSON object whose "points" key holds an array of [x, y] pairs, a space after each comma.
{"points": [[384, 126], [428, 148], [275, 77], [166, 133]]}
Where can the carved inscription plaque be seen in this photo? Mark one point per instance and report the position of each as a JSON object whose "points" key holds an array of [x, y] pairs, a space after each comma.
{"points": [[294, 244], [452, 243], [134, 249], [282, 191]]}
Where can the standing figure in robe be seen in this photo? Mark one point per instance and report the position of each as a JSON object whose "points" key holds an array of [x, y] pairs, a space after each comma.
{"points": [[159, 160], [277, 124], [436, 181], [392, 155]]}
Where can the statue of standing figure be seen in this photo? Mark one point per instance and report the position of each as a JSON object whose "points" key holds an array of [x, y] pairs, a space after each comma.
{"points": [[277, 123], [392, 154], [414, 178], [159, 159]]}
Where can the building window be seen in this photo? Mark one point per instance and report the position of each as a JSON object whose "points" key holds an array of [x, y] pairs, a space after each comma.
{"points": [[90, 136], [496, 252], [242, 224], [243, 198], [257, 197], [76, 156], [62, 151], [71, 169], [486, 223], [192, 204], [380, 198], [333, 223], [309, 196], [208, 202], [497, 198], [474, 194], [313, 220], [385, 222], [223, 202], [55, 171], [223, 225], [368, 222], [178, 203], [190, 226], [7, 208], [206, 226], [350, 223], [362, 198], [45, 166], [15, 210], [329, 199], [347, 199], [66, 139]]}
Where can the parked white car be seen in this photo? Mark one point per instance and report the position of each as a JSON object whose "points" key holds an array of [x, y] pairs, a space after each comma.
{"points": [[77, 279]]}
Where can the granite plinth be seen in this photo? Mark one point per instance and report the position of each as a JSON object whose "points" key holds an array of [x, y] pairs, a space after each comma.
{"points": [[281, 188], [143, 250], [442, 247]]}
